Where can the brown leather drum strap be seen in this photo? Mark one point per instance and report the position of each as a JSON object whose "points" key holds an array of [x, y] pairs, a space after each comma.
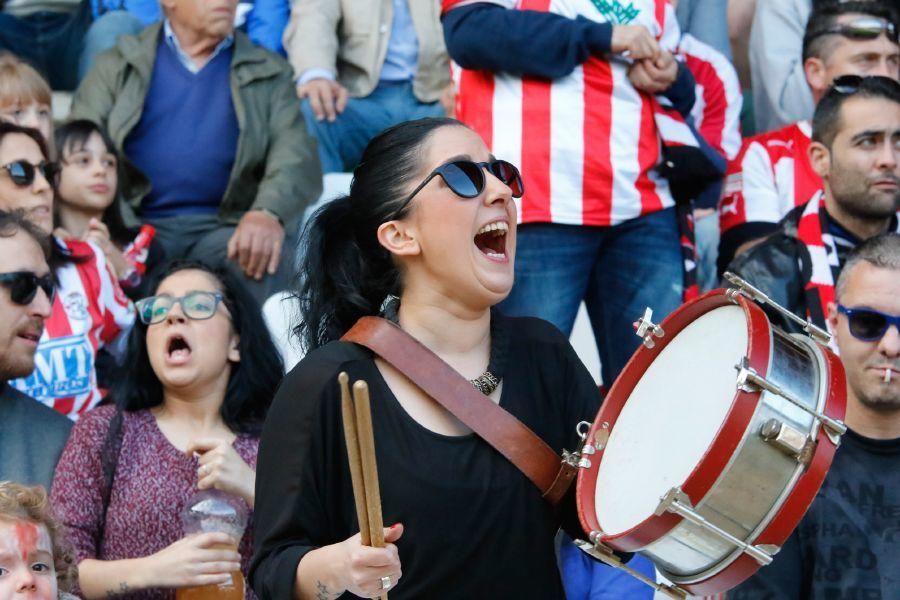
{"points": [[508, 435]]}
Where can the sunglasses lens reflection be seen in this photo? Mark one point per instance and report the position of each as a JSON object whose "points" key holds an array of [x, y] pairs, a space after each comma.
{"points": [[867, 325]]}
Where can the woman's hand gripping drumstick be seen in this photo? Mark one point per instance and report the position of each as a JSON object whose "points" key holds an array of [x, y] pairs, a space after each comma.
{"points": [[371, 574]]}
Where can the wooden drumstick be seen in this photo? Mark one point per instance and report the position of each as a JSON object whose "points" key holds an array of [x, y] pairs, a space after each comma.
{"points": [[350, 437], [357, 417], [369, 467]]}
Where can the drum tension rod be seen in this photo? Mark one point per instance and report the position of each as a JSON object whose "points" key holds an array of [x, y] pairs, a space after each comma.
{"points": [[647, 329], [749, 380], [743, 287], [676, 501], [604, 553]]}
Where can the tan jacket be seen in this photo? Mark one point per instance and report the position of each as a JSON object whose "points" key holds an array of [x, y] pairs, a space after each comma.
{"points": [[350, 38]]}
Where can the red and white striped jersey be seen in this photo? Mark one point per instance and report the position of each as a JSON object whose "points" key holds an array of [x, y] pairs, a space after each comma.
{"points": [[587, 143], [770, 176], [717, 110], [89, 312]]}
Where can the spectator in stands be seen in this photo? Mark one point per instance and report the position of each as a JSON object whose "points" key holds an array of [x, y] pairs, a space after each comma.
{"points": [[598, 222], [48, 34], [31, 435], [202, 374], [364, 65], [847, 543], [35, 560], [86, 208], [262, 20], [25, 98], [90, 312], [772, 174], [717, 118], [216, 155], [856, 151]]}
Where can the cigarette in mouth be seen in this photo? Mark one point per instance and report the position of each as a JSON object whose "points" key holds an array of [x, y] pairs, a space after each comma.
{"points": [[887, 375]]}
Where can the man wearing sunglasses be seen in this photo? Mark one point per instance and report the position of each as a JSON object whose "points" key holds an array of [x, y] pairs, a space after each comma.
{"points": [[848, 543], [856, 151], [32, 435], [772, 174]]}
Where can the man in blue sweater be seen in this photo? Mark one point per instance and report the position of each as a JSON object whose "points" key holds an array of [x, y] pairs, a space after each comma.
{"points": [[32, 435], [217, 157]]}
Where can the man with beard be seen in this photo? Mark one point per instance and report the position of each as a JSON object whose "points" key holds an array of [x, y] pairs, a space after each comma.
{"points": [[32, 435], [848, 543], [856, 151]]}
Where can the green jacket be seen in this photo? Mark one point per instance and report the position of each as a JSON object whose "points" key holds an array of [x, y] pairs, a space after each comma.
{"points": [[276, 165]]}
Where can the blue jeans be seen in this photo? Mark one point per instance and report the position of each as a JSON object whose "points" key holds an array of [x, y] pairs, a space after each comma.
{"points": [[49, 41], [341, 143], [587, 579], [618, 271], [102, 35]]}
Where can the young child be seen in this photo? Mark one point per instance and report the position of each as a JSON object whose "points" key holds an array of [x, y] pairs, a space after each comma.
{"points": [[24, 96], [86, 206], [35, 562]]}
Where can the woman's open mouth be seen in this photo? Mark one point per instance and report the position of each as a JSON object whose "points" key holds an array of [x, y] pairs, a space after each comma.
{"points": [[491, 240], [178, 350]]}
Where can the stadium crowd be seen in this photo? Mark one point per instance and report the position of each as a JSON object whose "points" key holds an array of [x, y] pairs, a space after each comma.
{"points": [[501, 164]]}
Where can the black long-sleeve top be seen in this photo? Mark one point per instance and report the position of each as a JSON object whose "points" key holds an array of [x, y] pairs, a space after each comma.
{"points": [[475, 526]]}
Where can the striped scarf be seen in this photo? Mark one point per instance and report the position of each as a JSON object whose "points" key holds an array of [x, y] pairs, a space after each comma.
{"points": [[819, 264]]}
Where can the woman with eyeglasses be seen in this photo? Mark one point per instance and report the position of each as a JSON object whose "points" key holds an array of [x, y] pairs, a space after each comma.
{"points": [[201, 374], [90, 313], [426, 238]]}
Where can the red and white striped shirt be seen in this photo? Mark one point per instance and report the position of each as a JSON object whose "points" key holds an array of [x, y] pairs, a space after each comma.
{"points": [[587, 143], [770, 176], [89, 312], [717, 110]]}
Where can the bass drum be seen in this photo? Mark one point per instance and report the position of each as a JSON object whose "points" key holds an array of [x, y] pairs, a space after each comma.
{"points": [[712, 444]]}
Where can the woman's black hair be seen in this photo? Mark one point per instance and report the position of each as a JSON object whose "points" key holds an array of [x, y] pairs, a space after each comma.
{"points": [[253, 379], [346, 273], [71, 138], [59, 256]]}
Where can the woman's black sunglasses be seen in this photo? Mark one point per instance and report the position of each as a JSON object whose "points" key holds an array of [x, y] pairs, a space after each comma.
{"points": [[866, 28], [868, 325], [23, 172], [466, 179], [23, 286]]}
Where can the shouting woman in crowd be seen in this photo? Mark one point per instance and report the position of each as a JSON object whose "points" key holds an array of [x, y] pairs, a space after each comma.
{"points": [[200, 378], [90, 312], [429, 219]]}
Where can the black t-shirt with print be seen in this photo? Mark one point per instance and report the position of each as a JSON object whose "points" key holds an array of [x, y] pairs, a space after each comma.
{"points": [[847, 546]]}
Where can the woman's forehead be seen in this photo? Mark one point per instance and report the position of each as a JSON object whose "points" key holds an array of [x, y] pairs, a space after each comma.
{"points": [[455, 143]]}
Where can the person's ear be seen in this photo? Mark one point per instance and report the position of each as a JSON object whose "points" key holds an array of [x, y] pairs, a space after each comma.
{"points": [[820, 159], [813, 68], [234, 352], [398, 238], [833, 316]]}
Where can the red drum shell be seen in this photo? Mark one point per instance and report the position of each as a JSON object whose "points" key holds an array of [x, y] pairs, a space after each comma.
{"points": [[724, 446]]}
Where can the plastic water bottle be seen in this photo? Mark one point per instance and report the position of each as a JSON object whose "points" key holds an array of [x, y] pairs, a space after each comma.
{"points": [[210, 511]]}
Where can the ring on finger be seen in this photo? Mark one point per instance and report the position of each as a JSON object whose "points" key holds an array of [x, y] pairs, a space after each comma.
{"points": [[386, 582]]}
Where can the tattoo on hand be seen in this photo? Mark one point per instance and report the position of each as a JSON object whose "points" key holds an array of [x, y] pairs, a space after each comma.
{"points": [[322, 592], [123, 589]]}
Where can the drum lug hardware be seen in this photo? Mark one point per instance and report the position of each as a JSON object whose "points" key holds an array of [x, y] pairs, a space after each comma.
{"points": [[647, 329], [601, 436], [787, 439], [748, 380], [744, 288], [604, 553], [676, 501]]}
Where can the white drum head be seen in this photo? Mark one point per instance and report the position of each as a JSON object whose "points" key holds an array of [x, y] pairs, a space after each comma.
{"points": [[670, 419]]}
